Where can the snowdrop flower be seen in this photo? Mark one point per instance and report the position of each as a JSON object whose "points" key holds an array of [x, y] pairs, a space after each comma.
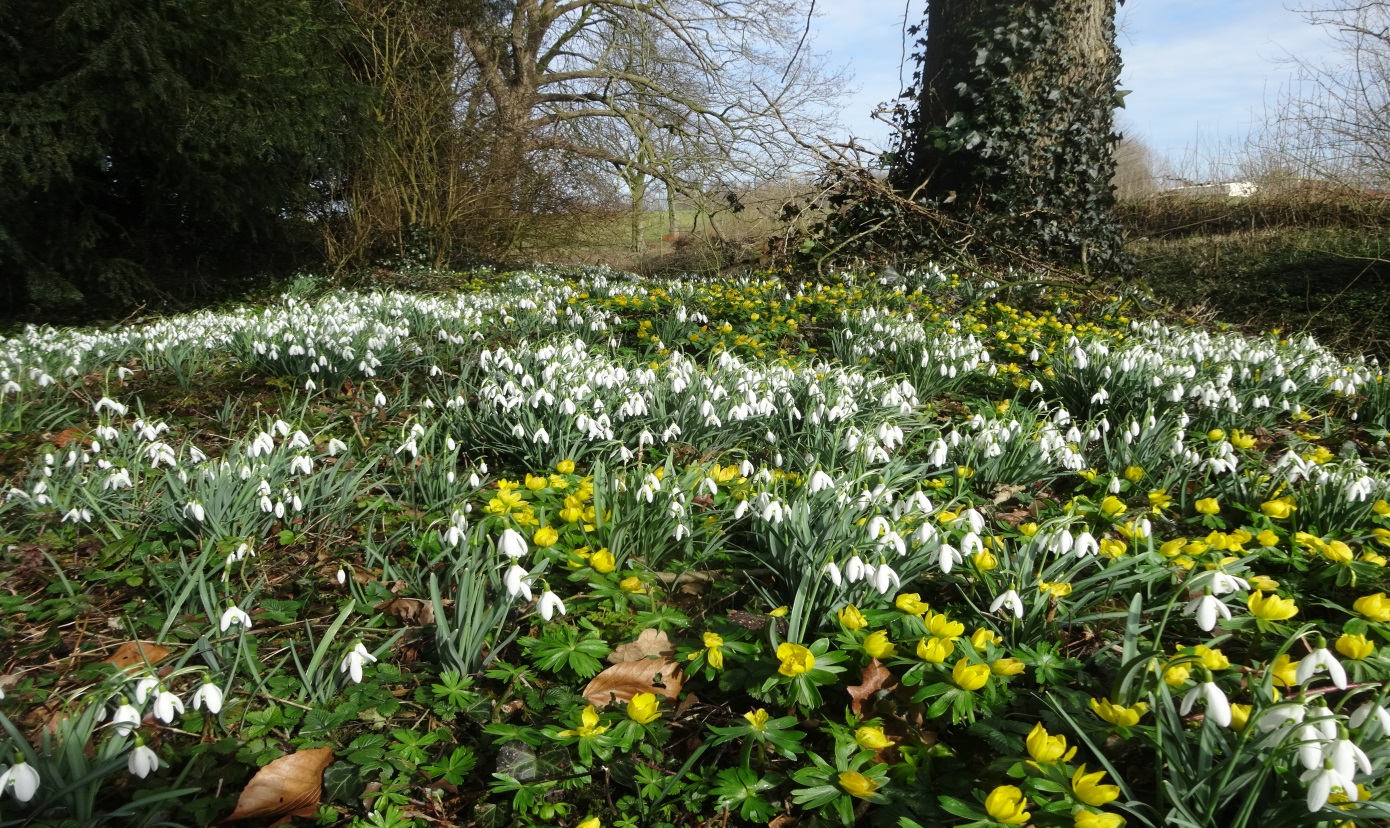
{"points": [[820, 481], [22, 778], [1008, 600], [1086, 544], [335, 446], [1317, 661], [1061, 542], [78, 515], [512, 544], [946, 557], [1371, 708], [353, 661], [209, 695], [1207, 607], [1218, 707], [380, 400], [1347, 756], [971, 544], [1223, 583], [833, 573], [194, 508], [142, 760], [234, 615], [854, 570], [143, 688], [126, 720], [550, 604], [885, 578], [1322, 782], [515, 581], [166, 706], [342, 576]]}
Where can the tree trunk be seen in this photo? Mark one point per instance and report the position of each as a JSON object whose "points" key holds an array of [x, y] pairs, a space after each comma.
{"points": [[1011, 127], [637, 186]]}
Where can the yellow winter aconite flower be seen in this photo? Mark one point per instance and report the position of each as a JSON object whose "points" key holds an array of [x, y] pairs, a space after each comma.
{"points": [[1267, 538], [795, 659], [857, 784], [588, 726], [983, 637], [714, 655], [1091, 819], [1112, 506], [757, 719], [1355, 647], [571, 514], [1088, 788], [780, 612], [941, 626], [852, 618], [1374, 558], [1177, 675], [1307, 541], [1006, 804], [1160, 500], [1262, 583], [1028, 530], [1134, 473], [1046, 748], [1118, 714], [535, 484], [1216, 434], [969, 676], [602, 561], [632, 584], [1271, 607], [565, 466], [984, 561], [935, 650], [591, 822], [643, 708], [1338, 552], [1208, 506], [1375, 607], [1056, 590], [877, 645], [1240, 715], [911, 603], [1284, 670], [545, 537], [872, 738], [1241, 440], [1007, 667], [1112, 547], [1172, 548], [1212, 659], [1279, 509]]}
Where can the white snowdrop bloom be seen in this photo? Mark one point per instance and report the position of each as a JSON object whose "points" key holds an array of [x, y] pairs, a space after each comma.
{"points": [[1316, 662], [512, 544], [1009, 600], [946, 557], [1346, 756], [854, 570], [78, 515], [166, 706], [833, 573], [516, 582], [143, 688], [885, 579], [1368, 710], [1207, 608], [20, 777], [819, 482], [741, 509], [772, 512], [195, 509], [352, 662], [1061, 542], [335, 447], [877, 526], [541, 436], [299, 440], [208, 695], [680, 532], [380, 400], [971, 544], [1217, 705], [234, 616], [1321, 784], [126, 719], [549, 605], [110, 405], [745, 469], [302, 465], [1086, 544], [894, 541], [925, 533], [342, 576], [1223, 583]]}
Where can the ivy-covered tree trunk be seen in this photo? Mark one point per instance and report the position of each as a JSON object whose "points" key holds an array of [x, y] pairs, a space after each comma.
{"points": [[1009, 128]]}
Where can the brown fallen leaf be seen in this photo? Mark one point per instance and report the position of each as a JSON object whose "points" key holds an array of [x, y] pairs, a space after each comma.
{"points": [[412, 612], [137, 653], [875, 677], [650, 644], [289, 786], [623, 681]]}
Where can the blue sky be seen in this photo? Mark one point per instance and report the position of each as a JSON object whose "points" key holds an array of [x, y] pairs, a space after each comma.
{"points": [[1200, 71]]}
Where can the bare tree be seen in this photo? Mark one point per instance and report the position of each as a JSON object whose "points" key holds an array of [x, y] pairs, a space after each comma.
{"points": [[1333, 121]]}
